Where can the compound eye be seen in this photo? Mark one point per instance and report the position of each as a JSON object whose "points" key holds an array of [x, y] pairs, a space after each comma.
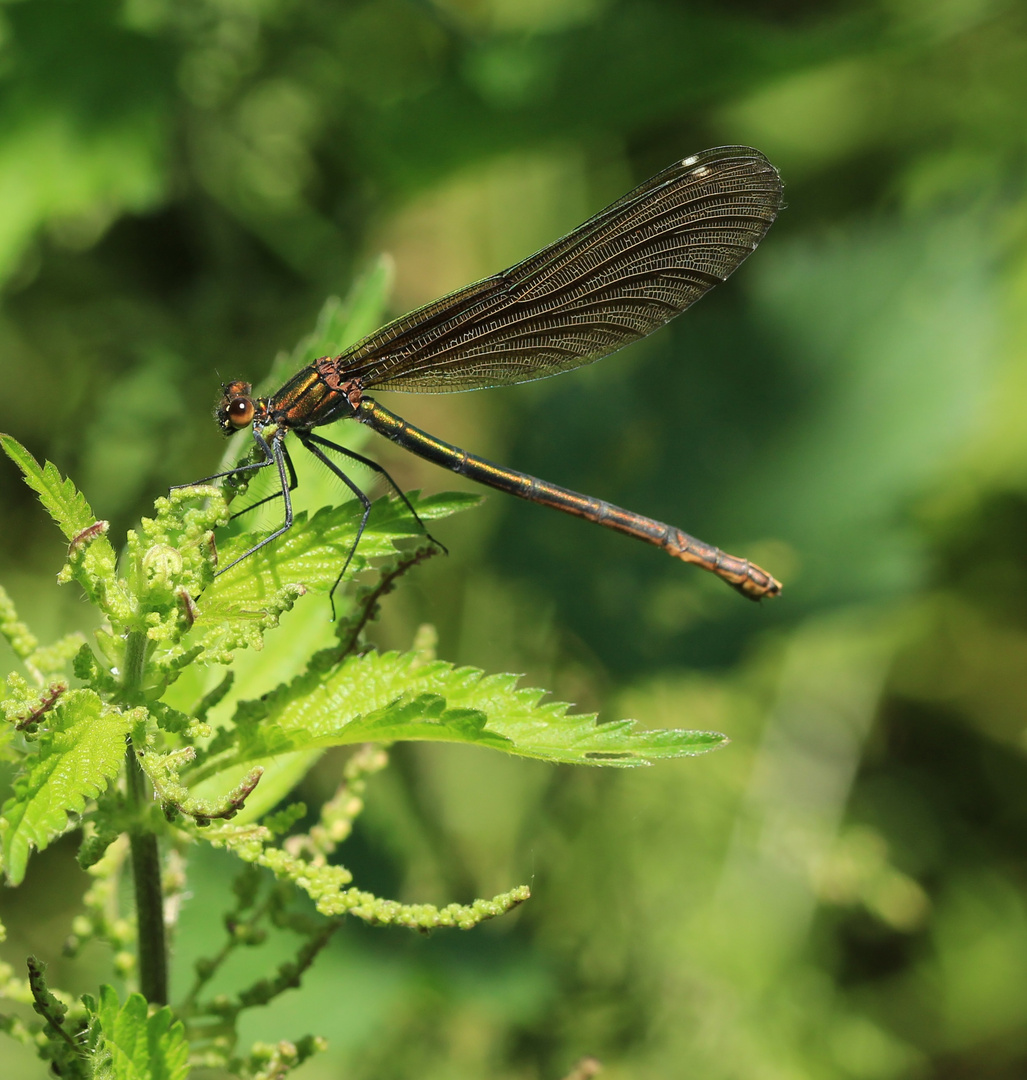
{"points": [[240, 412]]}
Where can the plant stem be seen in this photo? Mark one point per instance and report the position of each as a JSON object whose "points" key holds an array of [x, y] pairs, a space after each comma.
{"points": [[153, 957], [153, 960], [135, 664]]}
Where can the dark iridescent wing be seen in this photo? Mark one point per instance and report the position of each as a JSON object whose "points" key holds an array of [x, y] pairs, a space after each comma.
{"points": [[618, 277]]}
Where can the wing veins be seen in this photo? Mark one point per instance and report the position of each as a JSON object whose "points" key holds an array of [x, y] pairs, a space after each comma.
{"points": [[649, 255]]}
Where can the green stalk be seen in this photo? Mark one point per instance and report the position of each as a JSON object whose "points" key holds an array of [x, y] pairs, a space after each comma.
{"points": [[152, 945]]}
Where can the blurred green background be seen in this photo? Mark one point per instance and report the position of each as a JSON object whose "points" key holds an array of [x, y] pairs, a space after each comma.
{"points": [[842, 892]]}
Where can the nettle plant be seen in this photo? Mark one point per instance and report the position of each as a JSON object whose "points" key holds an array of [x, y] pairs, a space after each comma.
{"points": [[145, 741]]}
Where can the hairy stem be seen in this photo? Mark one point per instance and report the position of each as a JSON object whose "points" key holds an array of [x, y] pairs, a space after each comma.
{"points": [[153, 956], [153, 961]]}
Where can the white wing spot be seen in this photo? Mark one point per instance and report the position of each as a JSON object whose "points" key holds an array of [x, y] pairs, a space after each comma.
{"points": [[690, 160], [702, 171]]}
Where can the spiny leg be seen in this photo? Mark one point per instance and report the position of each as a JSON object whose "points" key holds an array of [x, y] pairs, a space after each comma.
{"points": [[275, 453], [293, 484], [308, 441], [374, 467]]}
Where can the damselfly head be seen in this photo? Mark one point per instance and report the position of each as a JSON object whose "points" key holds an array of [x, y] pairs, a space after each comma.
{"points": [[236, 408]]}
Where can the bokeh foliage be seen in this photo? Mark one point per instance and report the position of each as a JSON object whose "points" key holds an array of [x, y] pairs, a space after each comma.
{"points": [[841, 893]]}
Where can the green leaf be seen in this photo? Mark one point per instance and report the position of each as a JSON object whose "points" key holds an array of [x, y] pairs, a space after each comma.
{"points": [[391, 696], [135, 1046], [77, 757], [62, 500], [91, 558]]}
